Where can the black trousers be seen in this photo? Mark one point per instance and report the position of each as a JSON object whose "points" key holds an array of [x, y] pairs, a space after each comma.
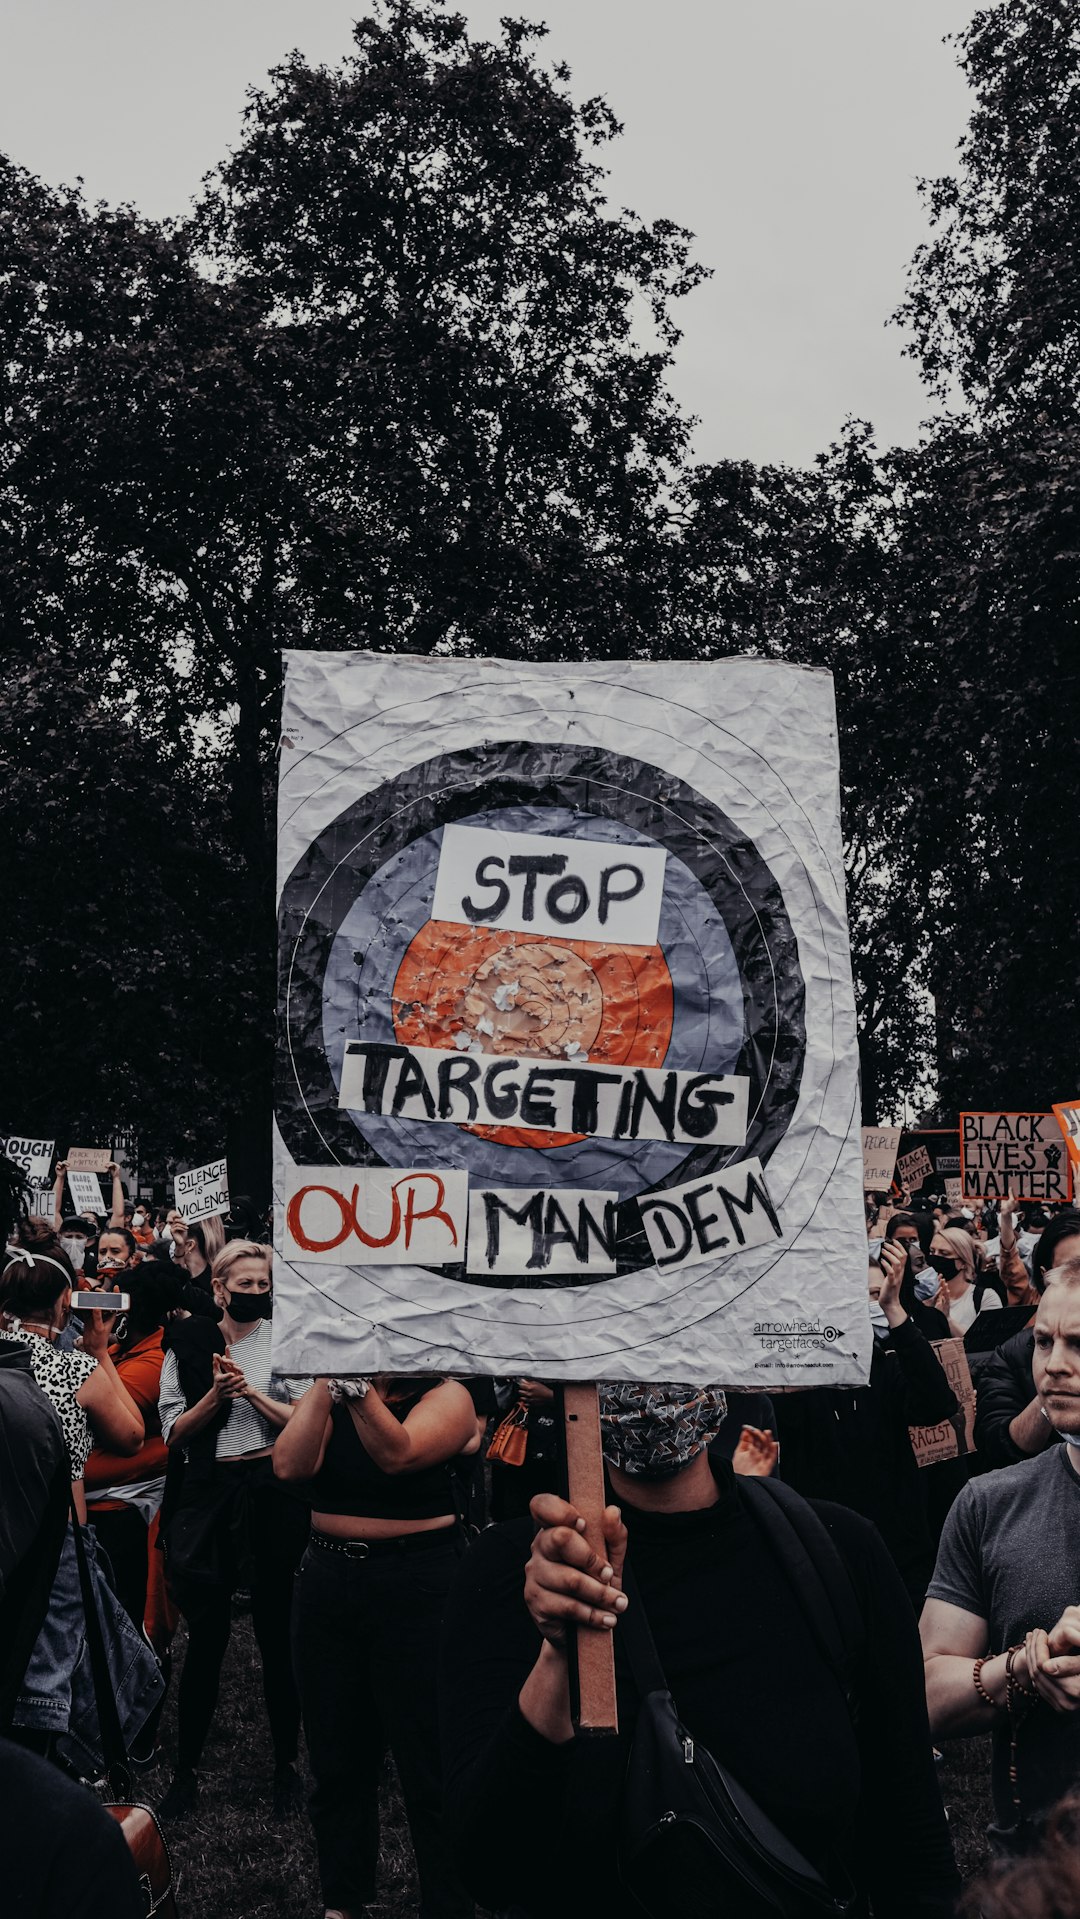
{"points": [[237, 1527], [366, 1651], [124, 1536]]}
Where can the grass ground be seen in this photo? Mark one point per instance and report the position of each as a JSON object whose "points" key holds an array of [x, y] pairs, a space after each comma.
{"points": [[233, 1862]]}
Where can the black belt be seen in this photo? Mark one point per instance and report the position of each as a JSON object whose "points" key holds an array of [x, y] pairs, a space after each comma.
{"points": [[374, 1548]]}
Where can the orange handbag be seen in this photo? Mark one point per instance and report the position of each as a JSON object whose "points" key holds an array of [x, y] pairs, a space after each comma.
{"points": [[510, 1440], [146, 1843]]}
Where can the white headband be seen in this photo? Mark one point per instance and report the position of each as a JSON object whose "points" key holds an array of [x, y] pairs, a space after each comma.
{"points": [[19, 1255]]}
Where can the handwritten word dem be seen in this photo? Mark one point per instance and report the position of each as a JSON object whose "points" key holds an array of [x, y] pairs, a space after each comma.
{"points": [[500, 1089], [533, 883], [710, 1219], [376, 1215], [538, 1230], [1021, 1153]]}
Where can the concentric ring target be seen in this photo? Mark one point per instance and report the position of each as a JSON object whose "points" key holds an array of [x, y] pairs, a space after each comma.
{"points": [[362, 959]]}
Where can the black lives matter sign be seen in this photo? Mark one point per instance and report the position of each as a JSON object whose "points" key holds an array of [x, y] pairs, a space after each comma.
{"points": [[1021, 1153]]}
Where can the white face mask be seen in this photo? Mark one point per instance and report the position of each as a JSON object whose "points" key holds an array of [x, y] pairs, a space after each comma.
{"points": [[166, 1235], [75, 1249], [138, 1220]]}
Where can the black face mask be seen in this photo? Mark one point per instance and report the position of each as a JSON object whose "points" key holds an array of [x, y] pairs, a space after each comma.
{"points": [[948, 1268], [246, 1308]]}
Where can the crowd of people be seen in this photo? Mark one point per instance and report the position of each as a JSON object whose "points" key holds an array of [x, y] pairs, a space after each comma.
{"points": [[768, 1564]]}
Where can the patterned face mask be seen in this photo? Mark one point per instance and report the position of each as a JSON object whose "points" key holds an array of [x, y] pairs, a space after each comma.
{"points": [[653, 1431]]}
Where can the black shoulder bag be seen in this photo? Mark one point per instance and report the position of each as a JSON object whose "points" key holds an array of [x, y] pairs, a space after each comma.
{"points": [[691, 1838]]}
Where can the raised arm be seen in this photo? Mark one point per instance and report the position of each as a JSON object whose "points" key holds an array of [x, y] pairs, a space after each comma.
{"points": [[116, 1217], [440, 1427], [58, 1194], [300, 1448]]}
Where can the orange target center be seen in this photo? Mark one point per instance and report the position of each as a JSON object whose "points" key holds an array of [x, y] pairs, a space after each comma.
{"points": [[470, 989]]}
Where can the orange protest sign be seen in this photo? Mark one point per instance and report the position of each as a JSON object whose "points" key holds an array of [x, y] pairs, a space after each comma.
{"points": [[1068, 1118]]}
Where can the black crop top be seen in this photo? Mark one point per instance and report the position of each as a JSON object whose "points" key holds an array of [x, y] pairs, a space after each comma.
{"points": [[350, 1483]]}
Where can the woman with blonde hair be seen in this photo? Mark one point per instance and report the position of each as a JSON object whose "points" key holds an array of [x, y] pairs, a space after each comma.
{"points": [[231, 1525], [958, 1261]]}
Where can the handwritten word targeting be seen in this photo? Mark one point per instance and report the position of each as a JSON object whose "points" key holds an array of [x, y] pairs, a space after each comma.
{"points": [[499, 1089]]}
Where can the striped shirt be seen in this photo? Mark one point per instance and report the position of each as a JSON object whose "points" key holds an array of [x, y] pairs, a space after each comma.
{"points": [[245, 1430]]}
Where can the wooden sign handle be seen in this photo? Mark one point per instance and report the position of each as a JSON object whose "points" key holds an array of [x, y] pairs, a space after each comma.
{"points": [[594, 1706]]}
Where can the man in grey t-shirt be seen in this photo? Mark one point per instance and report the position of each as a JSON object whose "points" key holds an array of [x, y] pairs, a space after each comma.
{"points": [[1008, 1577]]}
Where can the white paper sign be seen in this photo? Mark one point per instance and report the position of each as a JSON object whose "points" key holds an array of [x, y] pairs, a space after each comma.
{"points": [[588, 1044], [34, 1156], [337, 1213], [85, 1190], [879, 1147], [203, 1191], [541, 1230], [710, 1219], [41, 1205], [554, 1096], [529, 883]]}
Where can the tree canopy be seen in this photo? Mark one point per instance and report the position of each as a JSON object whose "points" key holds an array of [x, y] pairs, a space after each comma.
{"points": [[400, 382]]}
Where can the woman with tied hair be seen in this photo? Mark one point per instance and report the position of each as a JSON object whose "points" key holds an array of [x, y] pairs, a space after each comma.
{"points": [[230, 1526], [957, 1259], [535, 1811]]}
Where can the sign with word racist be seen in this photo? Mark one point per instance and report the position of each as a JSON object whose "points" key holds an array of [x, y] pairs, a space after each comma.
{"points": [[879, 1149], [32, 1156], [955, 1437], [1021, 1153], [567, 1070], [203, 1191], [1068, 1118]]}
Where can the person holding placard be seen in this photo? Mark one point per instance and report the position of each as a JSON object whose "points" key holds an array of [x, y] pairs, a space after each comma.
{"points": [[826, 1750], [232, 1525]]}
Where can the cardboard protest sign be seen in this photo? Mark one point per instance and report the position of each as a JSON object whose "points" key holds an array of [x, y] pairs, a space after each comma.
{"points": [[954, 1437], [879, 1149], [88, 1159], [85, 1191], [913, 1169], [1068, 1118], [954, 1194], [203, 1191], [33, 1156], [567, 1068], [1021, 1153]]}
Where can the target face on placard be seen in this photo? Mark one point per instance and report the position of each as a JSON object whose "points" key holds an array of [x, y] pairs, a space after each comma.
{"points": [[720, 990]]}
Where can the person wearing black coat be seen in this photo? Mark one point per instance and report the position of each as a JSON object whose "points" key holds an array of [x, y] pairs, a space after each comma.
{"points": [[852, 1444], [1009, 1425]]}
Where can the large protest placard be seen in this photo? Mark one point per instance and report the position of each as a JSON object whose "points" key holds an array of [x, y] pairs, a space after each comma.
{"points": [[879, 1149], [567, 1068], [203, 1191], [32, 1156], [1021, 1153]]}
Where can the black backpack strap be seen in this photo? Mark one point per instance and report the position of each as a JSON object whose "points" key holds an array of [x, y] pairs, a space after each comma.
{"points": [[813, 1567], [113, 1749]]}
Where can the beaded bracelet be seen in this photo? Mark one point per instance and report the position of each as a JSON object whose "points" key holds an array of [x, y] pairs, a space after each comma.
{"points": [[1026, 1696], [976, 1674]]}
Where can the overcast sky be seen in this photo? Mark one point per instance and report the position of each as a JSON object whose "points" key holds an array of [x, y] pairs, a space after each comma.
{"points": [[788, 134]]}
